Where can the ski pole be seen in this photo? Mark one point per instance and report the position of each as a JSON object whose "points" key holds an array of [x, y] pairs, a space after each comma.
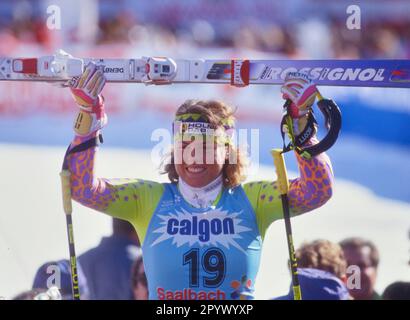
{"points": [[65, 183], [283, 185]]}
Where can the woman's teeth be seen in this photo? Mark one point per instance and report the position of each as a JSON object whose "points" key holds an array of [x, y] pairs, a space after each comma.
{"points": [[195, 169]]}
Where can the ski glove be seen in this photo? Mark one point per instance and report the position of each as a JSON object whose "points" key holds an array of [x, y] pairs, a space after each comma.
{"points": [[86, 91], [301, 91]]}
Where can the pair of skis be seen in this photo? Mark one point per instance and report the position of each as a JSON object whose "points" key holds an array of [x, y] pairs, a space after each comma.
{"points": [[61, 67]]}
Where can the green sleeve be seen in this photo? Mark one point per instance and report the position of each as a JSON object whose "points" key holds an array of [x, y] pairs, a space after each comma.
{"points": [[310, 191], [266, 202], [135, 201]]}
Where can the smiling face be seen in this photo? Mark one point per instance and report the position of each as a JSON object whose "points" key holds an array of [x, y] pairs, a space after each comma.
{"points": [[198, 163]]}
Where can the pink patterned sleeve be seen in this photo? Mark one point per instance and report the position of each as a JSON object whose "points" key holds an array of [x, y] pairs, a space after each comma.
{"points": [[86, 189], [133, 200], [312, 189], [314, 186]]}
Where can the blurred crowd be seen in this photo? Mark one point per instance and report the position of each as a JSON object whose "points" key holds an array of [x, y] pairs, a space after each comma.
{"points": [[377, 39], [299, 37], [114, 270]]}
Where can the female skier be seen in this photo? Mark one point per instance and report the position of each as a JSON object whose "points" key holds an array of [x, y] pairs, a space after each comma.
{"points": [[201, 233]]}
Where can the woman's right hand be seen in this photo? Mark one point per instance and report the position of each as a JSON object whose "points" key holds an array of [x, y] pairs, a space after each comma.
{"points": [[86, 90]]}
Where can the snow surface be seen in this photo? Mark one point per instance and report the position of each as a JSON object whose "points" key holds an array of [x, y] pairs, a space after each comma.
{"points": [[32, 223]]}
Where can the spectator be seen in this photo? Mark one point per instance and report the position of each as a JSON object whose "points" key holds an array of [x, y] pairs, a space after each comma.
{"points": [[47, 277], [317, 284], [397, 291], [107, 267], [321, 272], [323, 255], [139, 280], [363, 254]]}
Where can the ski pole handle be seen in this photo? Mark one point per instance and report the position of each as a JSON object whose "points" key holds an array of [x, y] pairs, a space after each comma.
{"points": [[283, 182], [66, 189]]}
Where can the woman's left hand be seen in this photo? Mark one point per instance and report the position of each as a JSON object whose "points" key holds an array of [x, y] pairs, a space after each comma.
{"points": [[301, 90]]}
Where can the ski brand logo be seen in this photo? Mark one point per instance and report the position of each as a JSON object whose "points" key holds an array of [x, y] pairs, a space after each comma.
{"points": [[400, 75], [305, 136], [113, 70], [332, 74], [219, 71], [210, 228]]}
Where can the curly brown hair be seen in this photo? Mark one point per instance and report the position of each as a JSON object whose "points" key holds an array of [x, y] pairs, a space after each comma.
{"points": [[323, 255], [215, 113]]}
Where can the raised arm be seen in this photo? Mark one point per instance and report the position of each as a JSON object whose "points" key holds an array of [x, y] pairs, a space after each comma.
{"points": [[313, 187], [309, 191], [128, 199]]}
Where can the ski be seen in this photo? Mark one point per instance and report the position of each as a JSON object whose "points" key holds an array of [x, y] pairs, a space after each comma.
{"points": [[61, 67]]}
